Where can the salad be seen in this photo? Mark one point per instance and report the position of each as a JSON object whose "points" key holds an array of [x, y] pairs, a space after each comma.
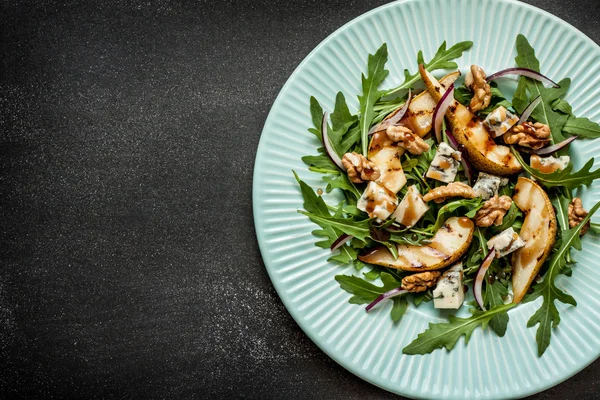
{"points": [[462, 190]]}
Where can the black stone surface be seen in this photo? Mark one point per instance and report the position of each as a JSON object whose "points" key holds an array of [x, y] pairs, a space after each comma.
{"points": [[129, 263]]}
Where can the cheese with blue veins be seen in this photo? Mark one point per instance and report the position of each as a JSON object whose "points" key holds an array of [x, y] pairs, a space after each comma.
{"points": [[449, 291], [445, 164], [499, 121], [487, 185], [411, 208], [547, 165], [506, 242], [377, 201]]}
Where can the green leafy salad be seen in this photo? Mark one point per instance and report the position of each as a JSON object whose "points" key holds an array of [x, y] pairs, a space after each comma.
{"points": [[464, 190]]}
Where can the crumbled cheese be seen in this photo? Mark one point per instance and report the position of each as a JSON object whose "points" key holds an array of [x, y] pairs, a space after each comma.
{"points": [[500, 121], [487, 185], [445, 164], [411, 208], [550, 164], [377, 201], [505, 242], [449, 291]]}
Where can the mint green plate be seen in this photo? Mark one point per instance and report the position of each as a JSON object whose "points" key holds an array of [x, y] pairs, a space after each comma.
{"points": [[370, 345]]}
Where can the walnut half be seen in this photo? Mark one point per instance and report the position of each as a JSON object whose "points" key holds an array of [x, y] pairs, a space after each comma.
{"points": [[407, 139], [454, 189], [420, 282], [576, 214], [476, 83], [360, 169], [528, 134], [493, 211]]}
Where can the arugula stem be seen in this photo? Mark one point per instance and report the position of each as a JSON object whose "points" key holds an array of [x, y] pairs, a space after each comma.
{"points": [[421, 178], [421, 232], [323, 170]]}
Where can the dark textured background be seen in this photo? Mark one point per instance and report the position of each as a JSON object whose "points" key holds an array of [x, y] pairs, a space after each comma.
{"points": [[130, 268]]}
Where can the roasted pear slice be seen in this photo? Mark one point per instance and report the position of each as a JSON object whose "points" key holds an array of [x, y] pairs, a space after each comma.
{"points": [[385, 154], [469, 130], [419, 115], [538, 231], [448, 244]]}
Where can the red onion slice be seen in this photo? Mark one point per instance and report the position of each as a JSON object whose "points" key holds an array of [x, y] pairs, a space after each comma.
{"points": [[528, 110], [339, 242], [554, 147], [524, 72], [469, 170], [477, 284], [383, 125], [392, 293], [328, 147], [440, 110]]}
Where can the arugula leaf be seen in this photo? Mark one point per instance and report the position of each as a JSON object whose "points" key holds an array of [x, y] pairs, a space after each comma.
{"points": [[409, 164], [441, 60], [547, 315], [409, 237], [447, 334], [582, 127], [316, 114], [520, 100], [562, 178], [341, 181], [365, 292], [358, 229], [347, 255], [376, 73], [493, 298], [471, 204], [350, 139], [419, 298], [563, 106], [560, 201], [399, 308], [314, 204], [321, 162], [341, 114]]}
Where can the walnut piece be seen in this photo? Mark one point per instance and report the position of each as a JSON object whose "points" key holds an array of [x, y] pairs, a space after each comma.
{"points": [[359, 168], [407, 139], [493, 211], [528, 134], [576, 214], [454, 189], [420, 282], [476, 83]]}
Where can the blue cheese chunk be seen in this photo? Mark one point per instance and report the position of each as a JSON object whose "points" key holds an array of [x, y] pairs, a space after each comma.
{"points": [[506, 242], [547, 165], [487, 185], [445, 164], [449, 291], [411, 208], [377, 201], [499, 121]]}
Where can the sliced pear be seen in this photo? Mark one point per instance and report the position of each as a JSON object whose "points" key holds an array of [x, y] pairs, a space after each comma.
{"points": [[385, 154], [538, 231], [448, 244], [419, 115], [469, 130]]}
